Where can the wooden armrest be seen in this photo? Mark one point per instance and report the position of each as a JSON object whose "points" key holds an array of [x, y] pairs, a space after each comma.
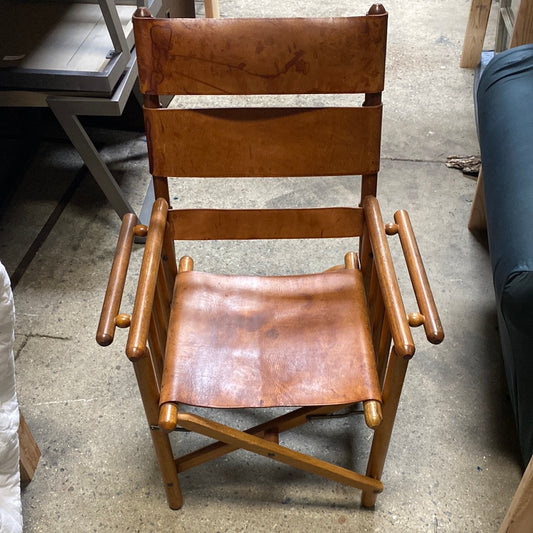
{"points": [[392, 299], [144, 298], [428, 316], [419, 279], [117, 279]]}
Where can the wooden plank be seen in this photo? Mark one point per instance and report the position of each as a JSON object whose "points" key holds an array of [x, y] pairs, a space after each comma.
{"points": [[226, 224], [475, 33], [29, 452], [519, 517], [268, 142], [523, 27], [478, 217], [212, 9]]}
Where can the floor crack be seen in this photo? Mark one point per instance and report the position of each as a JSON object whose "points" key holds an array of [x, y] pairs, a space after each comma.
{"points": [[44, 336]]}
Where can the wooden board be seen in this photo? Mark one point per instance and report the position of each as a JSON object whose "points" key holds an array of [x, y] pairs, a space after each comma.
{"points": [[523, 27], [29, 452], [519, 517], [475, 32]]}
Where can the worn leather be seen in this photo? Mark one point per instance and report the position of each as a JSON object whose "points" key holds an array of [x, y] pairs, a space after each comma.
{"points": [[261, 56], [273, 142], [239, 341]]}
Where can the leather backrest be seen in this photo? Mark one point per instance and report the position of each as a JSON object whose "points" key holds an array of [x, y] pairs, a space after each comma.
{"points": [[261, 56], [257, 57]]}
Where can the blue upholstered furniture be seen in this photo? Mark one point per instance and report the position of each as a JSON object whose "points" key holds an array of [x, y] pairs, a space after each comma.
{"points": [[505, 122]]}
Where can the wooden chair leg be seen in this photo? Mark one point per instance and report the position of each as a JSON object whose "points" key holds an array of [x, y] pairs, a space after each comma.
{"points": [[519, 516], [478, 218], [169, 474], [392, 389], [150, 396]]}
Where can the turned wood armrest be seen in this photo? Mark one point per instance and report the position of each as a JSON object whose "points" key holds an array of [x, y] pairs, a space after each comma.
{"points": [[144, 298], [110, 317], [428, 315], [392, 300], [419, 279]]}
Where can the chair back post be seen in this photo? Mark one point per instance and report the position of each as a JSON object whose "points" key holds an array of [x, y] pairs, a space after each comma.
{"points": [[369, 182], [152, 101]]}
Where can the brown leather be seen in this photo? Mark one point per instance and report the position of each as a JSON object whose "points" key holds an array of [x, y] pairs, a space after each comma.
{"points": [[264, 142], [218, 224], [261, 56], [239, 341]]}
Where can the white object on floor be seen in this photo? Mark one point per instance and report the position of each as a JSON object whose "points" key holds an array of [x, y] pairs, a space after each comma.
{"points": [[10, 502]]}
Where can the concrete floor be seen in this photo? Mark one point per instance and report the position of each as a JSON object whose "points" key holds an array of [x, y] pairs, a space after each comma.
{"points": [[453, 464]]}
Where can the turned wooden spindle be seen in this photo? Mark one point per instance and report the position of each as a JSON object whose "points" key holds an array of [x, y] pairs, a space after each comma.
{"points": [[168, 416], [373, 413], [351, 262], [391, 228], [186, 264], [140, 230], [123, 320], [416, 319], [377, 9]]}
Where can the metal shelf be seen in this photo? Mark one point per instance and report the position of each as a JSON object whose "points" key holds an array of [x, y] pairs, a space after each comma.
{"points": [[65, 46], [78, 58]]}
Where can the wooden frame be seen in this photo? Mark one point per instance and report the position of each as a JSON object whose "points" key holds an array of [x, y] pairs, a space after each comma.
{"points": [[149, 344], [514, 29], [520, 513], [150, 321], [476, 28], [519, 27], [478, 218]]}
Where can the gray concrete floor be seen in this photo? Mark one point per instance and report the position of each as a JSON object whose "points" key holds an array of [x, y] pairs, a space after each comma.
{"points": [[453, 464]]}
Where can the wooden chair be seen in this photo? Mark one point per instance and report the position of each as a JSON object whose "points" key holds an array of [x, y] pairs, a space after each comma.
{"points": [[315, 342]]}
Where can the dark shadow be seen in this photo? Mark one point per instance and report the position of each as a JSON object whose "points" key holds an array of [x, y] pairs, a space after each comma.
{"points": [[20, 136], [500, 426]]}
